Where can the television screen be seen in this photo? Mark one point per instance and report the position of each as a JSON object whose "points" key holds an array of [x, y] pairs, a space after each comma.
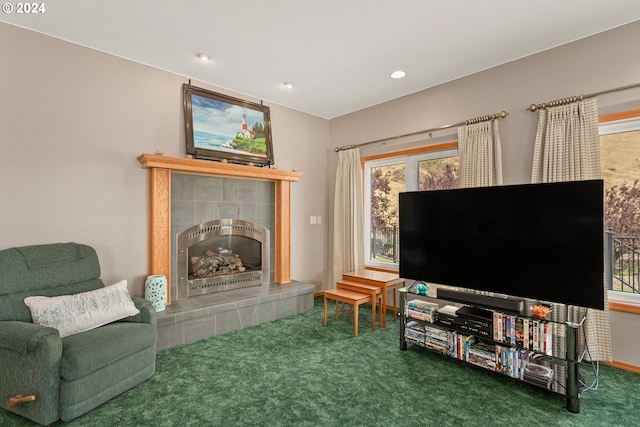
{"points": [[538, 241]]}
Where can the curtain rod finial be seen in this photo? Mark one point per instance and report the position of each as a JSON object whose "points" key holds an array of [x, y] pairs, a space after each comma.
{"points": [[533, 108]]}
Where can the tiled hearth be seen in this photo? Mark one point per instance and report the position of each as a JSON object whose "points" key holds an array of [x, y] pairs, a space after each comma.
{"points": [[201, 317]]}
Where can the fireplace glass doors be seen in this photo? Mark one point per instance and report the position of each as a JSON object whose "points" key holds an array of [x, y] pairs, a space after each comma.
{"points": [[221, 255]]}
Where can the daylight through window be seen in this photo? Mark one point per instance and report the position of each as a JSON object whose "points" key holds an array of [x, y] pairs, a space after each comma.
{"points": [[620, 163], [385, 177]]}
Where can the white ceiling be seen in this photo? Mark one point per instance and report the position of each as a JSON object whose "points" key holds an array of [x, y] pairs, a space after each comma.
{"points": [[339, 53]]}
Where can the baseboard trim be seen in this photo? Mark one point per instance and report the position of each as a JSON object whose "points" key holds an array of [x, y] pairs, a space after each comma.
{"points": [[623, 366]]}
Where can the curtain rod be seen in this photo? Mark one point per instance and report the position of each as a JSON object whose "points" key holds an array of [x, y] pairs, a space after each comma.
{"points": [[500, 115], [534, 107]]}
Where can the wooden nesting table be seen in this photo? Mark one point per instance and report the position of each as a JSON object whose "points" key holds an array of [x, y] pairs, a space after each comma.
{"points": [[384, 280]]}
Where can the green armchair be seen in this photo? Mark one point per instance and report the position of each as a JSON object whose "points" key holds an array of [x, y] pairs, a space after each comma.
{"points": [[44, 377]]}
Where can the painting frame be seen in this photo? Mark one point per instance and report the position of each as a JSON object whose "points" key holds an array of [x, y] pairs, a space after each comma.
{"points": [[227, 129]]}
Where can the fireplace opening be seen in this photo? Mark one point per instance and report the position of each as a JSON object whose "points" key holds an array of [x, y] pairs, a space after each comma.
{"points": [[221, 255]]}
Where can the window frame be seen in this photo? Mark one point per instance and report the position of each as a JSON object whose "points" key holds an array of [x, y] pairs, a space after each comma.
{"points": [[610, 124], [410, 158]]}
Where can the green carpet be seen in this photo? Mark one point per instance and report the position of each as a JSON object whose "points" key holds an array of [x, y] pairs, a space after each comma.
{"points": [[295, 372]]}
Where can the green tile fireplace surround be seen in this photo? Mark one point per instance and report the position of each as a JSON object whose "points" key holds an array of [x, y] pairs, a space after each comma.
{"points": [[187, 192], [200, 317]]}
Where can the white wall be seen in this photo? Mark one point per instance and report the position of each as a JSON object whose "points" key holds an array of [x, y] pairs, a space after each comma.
{"points": [[604, 61], [72, 122], [624, 337]]}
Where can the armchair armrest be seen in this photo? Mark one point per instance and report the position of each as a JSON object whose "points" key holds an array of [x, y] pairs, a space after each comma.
{"points": [[147, 312], [30, 358], [23, 337]]}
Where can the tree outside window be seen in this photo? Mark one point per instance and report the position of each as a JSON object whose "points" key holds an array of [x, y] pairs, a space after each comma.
{"points": [[385, 179], [620, 163]]}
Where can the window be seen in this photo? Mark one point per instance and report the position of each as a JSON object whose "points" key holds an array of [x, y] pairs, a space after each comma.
{"points": [[431, 168], [620, 163]]}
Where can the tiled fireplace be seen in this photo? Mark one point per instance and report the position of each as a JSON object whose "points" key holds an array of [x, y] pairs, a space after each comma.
{"points": [[211, 213], [187, 196]]}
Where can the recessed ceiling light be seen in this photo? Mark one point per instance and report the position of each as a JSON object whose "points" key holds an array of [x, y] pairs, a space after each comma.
{"points": [[289, 85], [398, 74], [203, 56]]}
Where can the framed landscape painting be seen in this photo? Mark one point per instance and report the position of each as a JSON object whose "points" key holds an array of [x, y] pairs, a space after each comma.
{"points": [[224, 128]]}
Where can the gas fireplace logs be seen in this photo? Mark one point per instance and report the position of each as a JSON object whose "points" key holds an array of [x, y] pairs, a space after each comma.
{"points": [[206, 262], [216, 263]]}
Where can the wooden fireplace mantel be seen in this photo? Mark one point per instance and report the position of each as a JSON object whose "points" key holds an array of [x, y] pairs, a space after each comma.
{"points": [[160, 169]]}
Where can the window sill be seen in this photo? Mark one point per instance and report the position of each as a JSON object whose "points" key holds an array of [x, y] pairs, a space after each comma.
{"points": [[384, 269], [625, 307], [372, 264]]}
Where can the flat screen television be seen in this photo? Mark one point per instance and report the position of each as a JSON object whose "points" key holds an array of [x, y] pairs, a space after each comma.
{"points": [[537, 241]]}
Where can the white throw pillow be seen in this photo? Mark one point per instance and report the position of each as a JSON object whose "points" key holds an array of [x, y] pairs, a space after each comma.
{"points": [[72, 314]]}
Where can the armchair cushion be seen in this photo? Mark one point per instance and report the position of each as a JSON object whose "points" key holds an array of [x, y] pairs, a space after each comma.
{"points": [[91, 351], [72, 314]]}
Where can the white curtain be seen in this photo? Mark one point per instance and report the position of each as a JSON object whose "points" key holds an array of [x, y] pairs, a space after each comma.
{"points": [[480, 154], [348, 216], [567, 144], [567, 148]]}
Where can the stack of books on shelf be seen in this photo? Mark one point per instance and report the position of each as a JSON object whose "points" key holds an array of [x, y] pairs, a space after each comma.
{"points": [[414, 332], [423, 310], [483, 355], [421, 333], [511, 361], [461, 344], [523, 332], [436, 339], [506, 359]]}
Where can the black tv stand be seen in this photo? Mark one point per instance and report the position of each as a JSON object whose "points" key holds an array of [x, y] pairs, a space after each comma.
{"points": [[455, 330]]}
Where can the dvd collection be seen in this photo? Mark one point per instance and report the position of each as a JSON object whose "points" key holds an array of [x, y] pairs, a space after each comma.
{"points": [[423, 310], [523, 332], [509, 359]]}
